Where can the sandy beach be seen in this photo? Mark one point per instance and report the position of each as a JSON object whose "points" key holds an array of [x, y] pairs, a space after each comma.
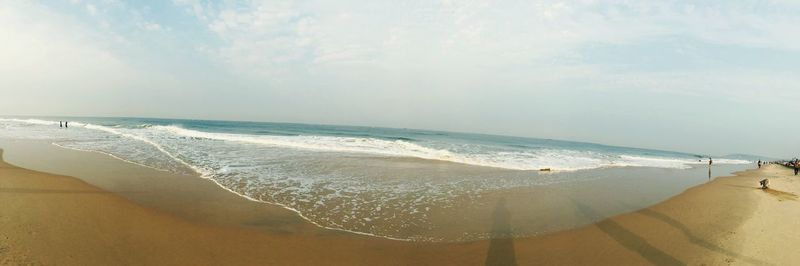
{"points": [[217, 132], [83, 208]]}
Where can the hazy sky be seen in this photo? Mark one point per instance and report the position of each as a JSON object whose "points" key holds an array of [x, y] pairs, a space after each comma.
{"points": [[712, 77]]}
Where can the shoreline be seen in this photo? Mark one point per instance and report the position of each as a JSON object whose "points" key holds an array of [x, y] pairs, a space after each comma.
{"points": [[637, 237], [554, 206], [295, 211]]}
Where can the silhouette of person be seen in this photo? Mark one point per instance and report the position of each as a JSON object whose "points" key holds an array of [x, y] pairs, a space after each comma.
{"points": [[60, 123], [66, 124]]}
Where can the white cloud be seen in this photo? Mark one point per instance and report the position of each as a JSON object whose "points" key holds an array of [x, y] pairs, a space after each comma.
{"points": [[151, 26], [478, 47], [196, 8], [279, 38], [91, 9], [51, 62], [41, 42]]}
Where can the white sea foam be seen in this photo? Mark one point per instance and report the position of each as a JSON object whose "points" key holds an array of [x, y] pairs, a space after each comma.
{"points": [[31, 121], [629, 160], [199, 170], [564, 160]]}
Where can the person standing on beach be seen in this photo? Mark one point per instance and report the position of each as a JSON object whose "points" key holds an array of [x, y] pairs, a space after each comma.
{"points": [[60, 123], [759, 163], [710, 161], [66, 124]]}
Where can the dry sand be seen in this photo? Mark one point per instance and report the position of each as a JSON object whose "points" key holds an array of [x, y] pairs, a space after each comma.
{"points": [[52, 219]]}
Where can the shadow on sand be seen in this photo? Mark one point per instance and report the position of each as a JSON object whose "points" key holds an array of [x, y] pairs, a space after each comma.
{"points": [[639, 245], [629, 240], [780, 195], [697, 240], [501, 247]]}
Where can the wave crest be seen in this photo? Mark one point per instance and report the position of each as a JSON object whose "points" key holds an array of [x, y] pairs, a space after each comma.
{"points": [[555, 159]]}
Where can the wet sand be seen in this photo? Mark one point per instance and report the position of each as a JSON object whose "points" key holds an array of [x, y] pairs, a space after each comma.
{"points": [[534, 209], [173, 220]]}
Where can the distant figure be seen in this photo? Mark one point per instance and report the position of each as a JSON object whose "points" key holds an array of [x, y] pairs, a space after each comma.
{"points": [[759, 163], [795, 166], [60, 123], [66, 124], [710, 161]]}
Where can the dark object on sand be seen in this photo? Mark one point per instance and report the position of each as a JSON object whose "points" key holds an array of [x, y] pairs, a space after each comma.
{"points": [[764, 183], [545, 169]]}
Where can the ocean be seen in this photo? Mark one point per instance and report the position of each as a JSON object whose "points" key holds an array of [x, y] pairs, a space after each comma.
{"points": [[398, 183]]}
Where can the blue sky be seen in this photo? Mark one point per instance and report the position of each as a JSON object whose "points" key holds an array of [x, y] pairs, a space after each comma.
{"points": [[712, 77]]}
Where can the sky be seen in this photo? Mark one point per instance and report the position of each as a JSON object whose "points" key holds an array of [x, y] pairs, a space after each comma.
{"points": [[708, 77]]}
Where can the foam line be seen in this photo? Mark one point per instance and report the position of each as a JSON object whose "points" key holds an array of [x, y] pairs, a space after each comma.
{"points": [[199, 170]]}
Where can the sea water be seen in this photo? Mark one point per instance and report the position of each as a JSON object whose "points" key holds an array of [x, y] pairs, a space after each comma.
{"points": [[397, 183]]}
